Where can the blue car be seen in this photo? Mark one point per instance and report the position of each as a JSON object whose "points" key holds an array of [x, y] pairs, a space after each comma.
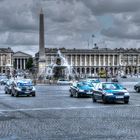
{"points": [[110, 92], [79, 89]]}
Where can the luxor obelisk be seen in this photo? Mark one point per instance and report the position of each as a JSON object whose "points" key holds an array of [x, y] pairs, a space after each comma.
{"points": [[42, 60]]}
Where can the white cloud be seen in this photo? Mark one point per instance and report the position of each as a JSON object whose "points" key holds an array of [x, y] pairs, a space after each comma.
{"points": [[69, 23]]}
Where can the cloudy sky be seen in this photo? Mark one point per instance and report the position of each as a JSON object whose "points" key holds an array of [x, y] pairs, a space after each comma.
{"points": [[70, 24]]}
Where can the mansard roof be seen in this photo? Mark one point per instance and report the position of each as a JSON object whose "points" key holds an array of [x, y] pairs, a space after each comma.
{"points": [[93, 50], [6, 50]]}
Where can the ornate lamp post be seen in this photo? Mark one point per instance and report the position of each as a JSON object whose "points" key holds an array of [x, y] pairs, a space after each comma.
{"points": [[106, 72]]}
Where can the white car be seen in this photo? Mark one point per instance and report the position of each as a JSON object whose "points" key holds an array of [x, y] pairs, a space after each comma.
{"points": [[63, 82]]}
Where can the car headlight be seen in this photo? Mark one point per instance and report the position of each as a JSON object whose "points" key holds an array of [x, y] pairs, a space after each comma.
{"points": [[80, 90], [127, 94], [18, 89], [33, 88]]}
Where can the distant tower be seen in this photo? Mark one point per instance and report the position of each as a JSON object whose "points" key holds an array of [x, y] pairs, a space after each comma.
{"points": [[42, 60]]}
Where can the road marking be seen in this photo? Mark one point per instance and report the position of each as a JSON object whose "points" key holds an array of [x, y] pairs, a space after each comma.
{"points": [[3, 95], [66, 108]]}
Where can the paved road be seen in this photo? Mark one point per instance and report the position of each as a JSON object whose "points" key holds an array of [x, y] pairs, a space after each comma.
{"points": [[53, 115]]}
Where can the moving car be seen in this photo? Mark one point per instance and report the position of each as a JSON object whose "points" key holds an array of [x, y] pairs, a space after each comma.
{"points": [[110, 92], [63, 82], [137, 87], [79, 89], [23, 87], [8, 86]]}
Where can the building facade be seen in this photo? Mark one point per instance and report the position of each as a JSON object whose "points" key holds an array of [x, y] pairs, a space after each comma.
{"points": [[93, 61], [6, 60], [20, 59], [10, 61]]}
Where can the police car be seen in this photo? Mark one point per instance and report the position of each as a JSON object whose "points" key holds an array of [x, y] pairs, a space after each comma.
{"points": [[23, 87]]}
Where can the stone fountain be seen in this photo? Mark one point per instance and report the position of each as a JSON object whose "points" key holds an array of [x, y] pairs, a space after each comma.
{"points": [[60, 68]]}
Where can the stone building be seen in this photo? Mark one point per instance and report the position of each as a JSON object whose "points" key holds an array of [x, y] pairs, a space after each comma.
{"points": [[88, 61], [20, 59], [10, 60], [92, 61], [6, 60]]}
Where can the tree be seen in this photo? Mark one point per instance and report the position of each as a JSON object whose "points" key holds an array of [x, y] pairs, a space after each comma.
{"points": [[29, 63]]}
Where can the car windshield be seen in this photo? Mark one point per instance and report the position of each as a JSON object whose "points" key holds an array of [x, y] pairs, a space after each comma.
{"points": [[25, 84], [81, 84], [111, 86]]}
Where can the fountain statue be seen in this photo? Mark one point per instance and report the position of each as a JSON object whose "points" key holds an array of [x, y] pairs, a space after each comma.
{"points": [[60, 68]]}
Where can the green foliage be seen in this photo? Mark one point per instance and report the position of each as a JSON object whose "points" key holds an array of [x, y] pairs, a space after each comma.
{"points": [[29, 63], [14, 64]]}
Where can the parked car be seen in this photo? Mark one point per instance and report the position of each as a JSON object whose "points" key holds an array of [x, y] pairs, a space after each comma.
{"points": [[79, 89], [110, 92], [63, 82], [114, 79], [137, 87], [123, 76], [93, 81], [8, 86], [23, 87]]}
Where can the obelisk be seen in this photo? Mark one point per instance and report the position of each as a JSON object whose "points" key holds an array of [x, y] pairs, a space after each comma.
{"points": [[42, 60]]}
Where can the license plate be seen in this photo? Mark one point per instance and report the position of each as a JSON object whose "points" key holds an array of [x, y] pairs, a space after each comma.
{"points": [[119, 97]]}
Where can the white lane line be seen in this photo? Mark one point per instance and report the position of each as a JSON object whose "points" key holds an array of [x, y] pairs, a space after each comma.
{"points": [[66, 108], [3, 95]]}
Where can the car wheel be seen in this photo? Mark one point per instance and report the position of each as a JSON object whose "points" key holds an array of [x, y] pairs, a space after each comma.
{"points": [[77, 95], [33, 95], [137, 90], [12, 94], [93, 98], [71, 95], [104, 100], [16, 94], [126, 102]]}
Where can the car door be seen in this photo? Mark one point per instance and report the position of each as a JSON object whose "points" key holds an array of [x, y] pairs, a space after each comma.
{"points": [[98, 91], [95, 91], [73, 88], [13, 87]]}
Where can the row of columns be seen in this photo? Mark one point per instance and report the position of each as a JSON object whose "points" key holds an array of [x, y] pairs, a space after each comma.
{"points": [[94, 70], [111, 70], [93, 60], [3, 59], [99, 60], [20, 63], [130, 59]]}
